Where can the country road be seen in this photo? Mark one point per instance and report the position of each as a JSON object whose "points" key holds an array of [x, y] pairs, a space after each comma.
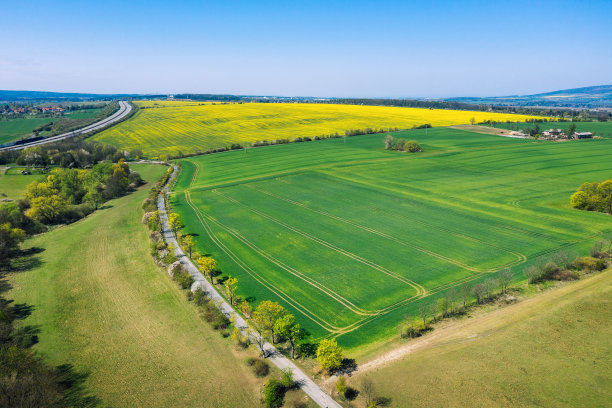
{"points": [[124, 109], [305, 382]]}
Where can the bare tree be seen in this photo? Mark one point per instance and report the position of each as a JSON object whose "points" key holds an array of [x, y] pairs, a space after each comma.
{"points": [[424, 312], [466, 290], [255, 337], [490, 285], [479, 290], [451, 295], [504, 278], [367, 389], [434, 310]]}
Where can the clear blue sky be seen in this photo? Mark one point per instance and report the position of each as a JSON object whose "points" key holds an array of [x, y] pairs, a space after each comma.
{"points": [[315, 48]]}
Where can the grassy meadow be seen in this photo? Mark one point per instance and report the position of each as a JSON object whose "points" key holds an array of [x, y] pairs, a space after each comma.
{"points": [[13, 186], [172, 127], [552, 350], [603, 129], [17, 128], [351, 238], [102, 305]]}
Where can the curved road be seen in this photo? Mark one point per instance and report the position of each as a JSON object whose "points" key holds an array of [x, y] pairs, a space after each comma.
{"points": [[124, 109], [313, 390]]}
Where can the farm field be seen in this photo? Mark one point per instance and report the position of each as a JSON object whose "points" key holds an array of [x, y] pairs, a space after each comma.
{"points": [[17, 128], [102, 305], [603, 129], [173, 127], [552, 350], [351, 238]]}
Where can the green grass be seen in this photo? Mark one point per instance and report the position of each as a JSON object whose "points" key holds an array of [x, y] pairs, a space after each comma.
{"points": [[348, 236], [13, 186], [603, 129], [14, 129], [103, 305], [552, 350]]}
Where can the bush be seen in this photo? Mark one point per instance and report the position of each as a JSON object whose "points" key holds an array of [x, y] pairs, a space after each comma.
{"points": [[590, 264], [274, 394], [260, 367], [287, 379], [533, 274], [183, 278], [413, 147]]}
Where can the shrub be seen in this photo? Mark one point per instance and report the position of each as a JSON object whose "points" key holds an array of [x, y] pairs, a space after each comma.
{"points": [[183, 278], [533, 274], [341, 386], [287, 379], [413, 147], [274, 393], [590, 264]]}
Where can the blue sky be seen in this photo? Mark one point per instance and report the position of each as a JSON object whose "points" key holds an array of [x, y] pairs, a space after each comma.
{"points": [[313, 48]]}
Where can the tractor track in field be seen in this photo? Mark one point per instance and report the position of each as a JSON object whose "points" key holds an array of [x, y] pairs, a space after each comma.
{"points": [[520, 257], [328, 291], [277, 291], [420, 290]]}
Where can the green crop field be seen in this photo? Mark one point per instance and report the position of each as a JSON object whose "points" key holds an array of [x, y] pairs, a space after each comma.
{"points": [[14, 129], [174, 127], [603, 129], [102, 304], [351, 237]]}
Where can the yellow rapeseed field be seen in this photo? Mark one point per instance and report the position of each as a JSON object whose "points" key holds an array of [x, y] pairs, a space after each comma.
{"points": [[172, 127]]}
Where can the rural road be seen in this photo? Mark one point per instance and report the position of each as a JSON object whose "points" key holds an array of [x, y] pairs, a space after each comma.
{"points": [[305, 383], [124, 109]]}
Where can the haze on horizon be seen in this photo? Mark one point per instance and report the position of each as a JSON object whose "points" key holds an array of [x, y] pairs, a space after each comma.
{"points": [[307, 48]]}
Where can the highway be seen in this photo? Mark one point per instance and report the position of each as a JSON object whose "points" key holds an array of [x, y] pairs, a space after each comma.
{"points": [[124, 109]]}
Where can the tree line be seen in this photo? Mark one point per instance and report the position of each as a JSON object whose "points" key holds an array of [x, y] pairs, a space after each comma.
{"points": [[402, 145]]}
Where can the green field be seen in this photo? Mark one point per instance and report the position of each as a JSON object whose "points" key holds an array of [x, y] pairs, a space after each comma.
{"points": [[175, 127], [13, 186], [552, 350], [17, 128], [351, 237], [103, 305], [603, 129]]}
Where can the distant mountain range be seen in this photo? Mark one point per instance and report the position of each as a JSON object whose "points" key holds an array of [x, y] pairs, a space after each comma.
{"points": [[588, 97]]}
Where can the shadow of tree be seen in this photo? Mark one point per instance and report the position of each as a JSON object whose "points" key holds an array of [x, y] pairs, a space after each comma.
{"points": [[76, 394]]}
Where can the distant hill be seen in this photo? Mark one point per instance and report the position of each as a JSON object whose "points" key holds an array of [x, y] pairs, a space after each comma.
{"points": [[38, 96], [587, 97]]}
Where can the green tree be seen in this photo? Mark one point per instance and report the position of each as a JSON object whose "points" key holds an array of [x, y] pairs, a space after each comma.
{"points": [[231, 284], [10, 238], [579, 200], [189, 243], [287, 327], [47, 209], [329, 354], [207, 265], [175, 222], [266, 314]]}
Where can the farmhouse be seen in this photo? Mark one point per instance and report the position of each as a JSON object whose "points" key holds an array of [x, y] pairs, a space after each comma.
{"points": [[583, 135], [553, 134]]}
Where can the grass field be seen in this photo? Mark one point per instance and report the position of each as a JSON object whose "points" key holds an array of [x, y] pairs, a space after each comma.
{"points": [[351, 237], [552, 350], [103, 305], [17, 128], [603, 129], [13, 186], [170, 127]]}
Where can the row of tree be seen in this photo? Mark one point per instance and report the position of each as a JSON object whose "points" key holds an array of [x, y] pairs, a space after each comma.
{"points": [[269, 319], [593, 197]]}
